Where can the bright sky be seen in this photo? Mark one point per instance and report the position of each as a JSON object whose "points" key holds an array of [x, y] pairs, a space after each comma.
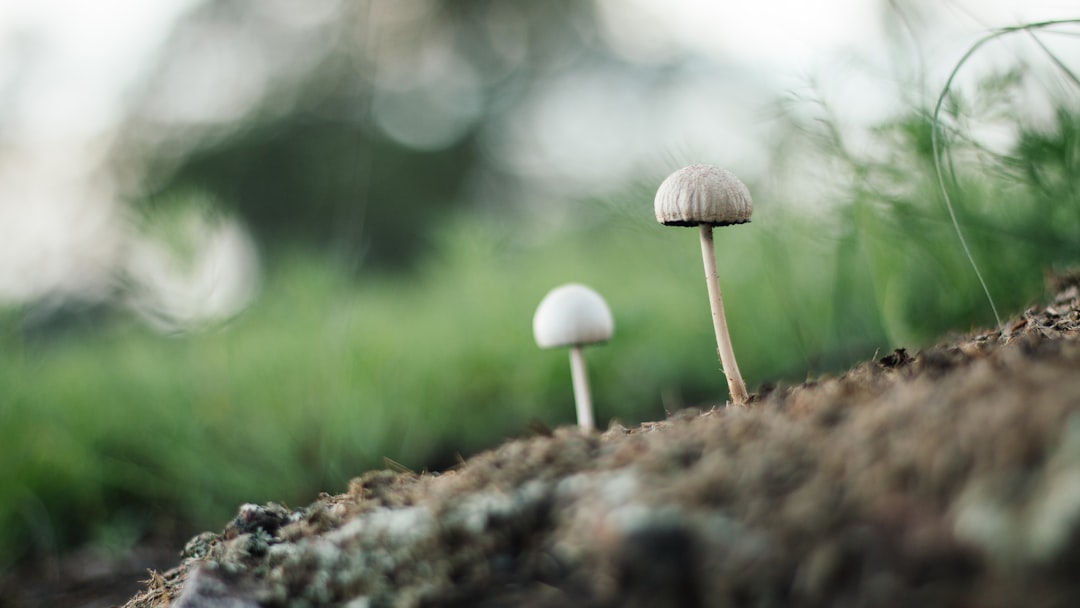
{"points": [[786, 33], [79, 58], [65, 66], [74, 60]]}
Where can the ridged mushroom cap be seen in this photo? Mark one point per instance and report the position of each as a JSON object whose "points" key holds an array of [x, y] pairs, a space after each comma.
{"points": [[702, 194], [572, 314]]}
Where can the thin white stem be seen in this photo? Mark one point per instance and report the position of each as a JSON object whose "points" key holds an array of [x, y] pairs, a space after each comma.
{"points": [[581, 389], [736, 386]]}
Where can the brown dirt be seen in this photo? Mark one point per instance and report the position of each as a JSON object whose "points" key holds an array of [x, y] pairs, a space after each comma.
{"points": [[946, 477]]}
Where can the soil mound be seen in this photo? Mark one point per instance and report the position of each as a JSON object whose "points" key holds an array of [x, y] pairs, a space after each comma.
{"points": [[945, 477]]}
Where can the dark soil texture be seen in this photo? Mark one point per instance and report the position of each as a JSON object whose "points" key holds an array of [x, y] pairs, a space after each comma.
{"points": [[945, 477]]}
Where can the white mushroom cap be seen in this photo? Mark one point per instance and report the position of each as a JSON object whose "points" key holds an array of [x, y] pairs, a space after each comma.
{"points": [[572, 314], [702, 194]]}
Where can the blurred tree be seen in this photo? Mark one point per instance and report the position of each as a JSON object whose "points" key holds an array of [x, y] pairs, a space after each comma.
{"points": [[351, 126]]}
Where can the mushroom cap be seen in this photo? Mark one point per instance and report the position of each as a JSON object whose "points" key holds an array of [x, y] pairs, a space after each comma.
{"points": [[572, 314], [702, 194]]}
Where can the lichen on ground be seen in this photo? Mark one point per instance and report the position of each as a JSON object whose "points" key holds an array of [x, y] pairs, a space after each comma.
{"points": [[946, 477]]}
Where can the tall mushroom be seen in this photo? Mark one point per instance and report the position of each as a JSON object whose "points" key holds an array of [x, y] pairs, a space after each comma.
{"points": [[708, 196], [574, 315]]}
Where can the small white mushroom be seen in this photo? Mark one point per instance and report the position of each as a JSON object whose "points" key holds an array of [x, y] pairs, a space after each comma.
{"points": [[708, 196], [574, 315]]}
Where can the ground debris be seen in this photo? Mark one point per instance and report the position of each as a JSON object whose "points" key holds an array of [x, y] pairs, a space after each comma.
{"points": [[949, 476]]}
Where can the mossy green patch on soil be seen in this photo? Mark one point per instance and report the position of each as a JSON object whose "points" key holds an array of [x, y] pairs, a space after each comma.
{"points": [[949, 476]]}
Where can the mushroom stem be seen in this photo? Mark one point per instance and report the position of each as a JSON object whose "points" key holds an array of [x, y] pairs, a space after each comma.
{"points": [[582, 399], [736, 386]]}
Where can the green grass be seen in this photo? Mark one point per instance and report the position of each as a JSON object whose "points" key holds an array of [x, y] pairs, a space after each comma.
{"points": [[107, 433], [324, 377]]}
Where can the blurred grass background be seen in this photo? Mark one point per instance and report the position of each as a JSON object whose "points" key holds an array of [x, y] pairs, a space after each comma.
{"points": [[112, 430]]}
